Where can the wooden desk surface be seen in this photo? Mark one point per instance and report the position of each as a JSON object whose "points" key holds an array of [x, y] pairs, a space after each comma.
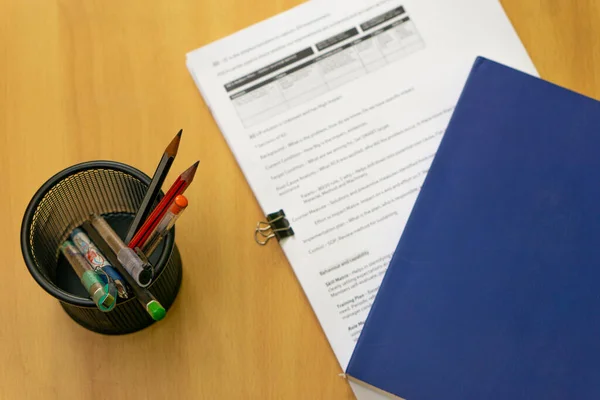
{"points": [[106, 79]]}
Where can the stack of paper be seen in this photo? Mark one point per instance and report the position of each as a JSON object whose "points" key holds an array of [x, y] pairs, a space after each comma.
{"points": [[334, 111]]}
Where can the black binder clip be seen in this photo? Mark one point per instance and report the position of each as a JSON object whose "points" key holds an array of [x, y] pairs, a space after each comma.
{"points": [[276, 226]]}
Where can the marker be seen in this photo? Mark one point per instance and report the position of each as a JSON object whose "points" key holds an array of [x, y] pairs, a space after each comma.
{"points": [[97, 259], [103, 295]]}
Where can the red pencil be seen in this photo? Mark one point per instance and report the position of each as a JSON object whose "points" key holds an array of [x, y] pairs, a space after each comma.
{"points": [[178, 187]]}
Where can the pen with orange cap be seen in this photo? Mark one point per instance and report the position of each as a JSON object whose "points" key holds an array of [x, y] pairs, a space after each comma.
{"points": [[167, 221], [176, 189]]}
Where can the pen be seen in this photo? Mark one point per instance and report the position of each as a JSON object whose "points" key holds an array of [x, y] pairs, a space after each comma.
{"points": [[146, 299], [132, 263], [97, 259], [103, 295], [177, 208], [178, 187]]}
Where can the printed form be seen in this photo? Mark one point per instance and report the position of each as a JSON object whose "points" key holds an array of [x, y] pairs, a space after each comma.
{"points": [[334, 111]]}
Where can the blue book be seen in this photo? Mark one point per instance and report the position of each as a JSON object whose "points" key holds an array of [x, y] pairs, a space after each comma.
{"points": [[493, 292]]}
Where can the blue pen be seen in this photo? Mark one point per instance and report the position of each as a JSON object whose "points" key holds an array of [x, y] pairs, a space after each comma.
{"points": [[97, 260]]}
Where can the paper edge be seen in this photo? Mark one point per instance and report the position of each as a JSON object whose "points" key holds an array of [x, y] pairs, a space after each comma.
{"points": [[373, 388]]}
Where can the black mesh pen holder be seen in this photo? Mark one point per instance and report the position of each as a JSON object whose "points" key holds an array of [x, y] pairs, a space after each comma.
{"points": [[64, 202]]}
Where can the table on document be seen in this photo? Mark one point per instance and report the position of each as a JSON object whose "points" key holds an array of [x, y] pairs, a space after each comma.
{"points": [[310, 79]]}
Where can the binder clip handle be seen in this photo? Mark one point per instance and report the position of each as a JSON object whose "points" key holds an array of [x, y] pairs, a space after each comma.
{"points": [[276, 226]]}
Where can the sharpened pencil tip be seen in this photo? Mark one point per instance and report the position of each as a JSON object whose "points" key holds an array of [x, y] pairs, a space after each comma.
{"points": [[188, 174], [173, 147]]}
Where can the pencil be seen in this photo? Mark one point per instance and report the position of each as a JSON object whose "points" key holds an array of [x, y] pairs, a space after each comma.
{"points": [[146, 299], [157, 180], [178, 187]]}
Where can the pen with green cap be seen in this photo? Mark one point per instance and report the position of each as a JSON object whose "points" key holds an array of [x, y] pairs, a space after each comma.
{"points": [[97, 260], [103, 295], [146, 299]]}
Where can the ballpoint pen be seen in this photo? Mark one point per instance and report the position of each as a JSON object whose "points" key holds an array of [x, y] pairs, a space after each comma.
{"points": [[103, 295], [177, 208], [133, 264], [177, 188], [97, 259]]}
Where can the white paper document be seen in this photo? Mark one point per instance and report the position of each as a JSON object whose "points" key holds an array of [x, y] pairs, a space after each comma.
{"points": [[334, 111]]}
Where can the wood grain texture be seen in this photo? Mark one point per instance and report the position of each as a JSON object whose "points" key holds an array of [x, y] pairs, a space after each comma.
{"points": [[106, 79]]}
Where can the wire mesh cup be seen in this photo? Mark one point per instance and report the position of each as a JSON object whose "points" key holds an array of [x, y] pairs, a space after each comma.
{"points": [[64, 202]]}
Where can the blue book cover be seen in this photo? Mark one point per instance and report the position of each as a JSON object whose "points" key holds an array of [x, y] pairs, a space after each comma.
{"points": [[493, 292]]}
